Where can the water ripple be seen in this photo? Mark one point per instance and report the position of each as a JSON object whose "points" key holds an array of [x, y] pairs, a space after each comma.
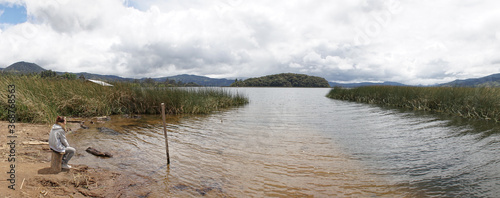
{"points": [[298, 143]]}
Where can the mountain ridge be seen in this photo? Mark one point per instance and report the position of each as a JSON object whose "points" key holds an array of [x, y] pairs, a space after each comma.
{"points": [[23, 67], [492, 80], [362, 84], [29, 68], [201, 80]]}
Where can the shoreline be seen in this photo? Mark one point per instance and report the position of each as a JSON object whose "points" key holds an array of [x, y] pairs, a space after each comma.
{"points": [[470, 103], [33, 155]]}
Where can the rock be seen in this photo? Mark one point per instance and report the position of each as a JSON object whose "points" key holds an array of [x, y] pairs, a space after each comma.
{"points": [[83, 126], [108, 131], [95, 152], [180, 187]]}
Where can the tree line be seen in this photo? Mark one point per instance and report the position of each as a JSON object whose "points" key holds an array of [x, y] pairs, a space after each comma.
{"points": [[283, 80], [45, 74], [149, 82]]}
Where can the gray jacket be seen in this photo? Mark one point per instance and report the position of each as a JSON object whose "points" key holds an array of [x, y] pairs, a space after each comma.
{"points": [[57, 138]]}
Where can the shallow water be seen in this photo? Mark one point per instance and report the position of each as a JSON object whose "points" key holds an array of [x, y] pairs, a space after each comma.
{"points": [[298, 143]]}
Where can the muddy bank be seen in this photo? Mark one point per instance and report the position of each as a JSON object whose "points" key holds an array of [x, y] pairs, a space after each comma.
{"points": [[32, 156]]}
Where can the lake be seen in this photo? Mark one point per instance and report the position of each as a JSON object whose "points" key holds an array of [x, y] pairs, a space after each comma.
{"points": [[295, 142]]}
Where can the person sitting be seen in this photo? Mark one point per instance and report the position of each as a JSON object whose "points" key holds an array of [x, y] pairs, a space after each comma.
{"points": [[58, 142]]}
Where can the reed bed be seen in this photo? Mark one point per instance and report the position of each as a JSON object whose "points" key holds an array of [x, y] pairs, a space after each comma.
{"points": [[40, 100], [467, 102]]}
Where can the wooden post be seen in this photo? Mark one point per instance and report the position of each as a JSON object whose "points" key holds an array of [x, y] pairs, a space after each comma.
{"points": [[165, 130], [56, 162]]}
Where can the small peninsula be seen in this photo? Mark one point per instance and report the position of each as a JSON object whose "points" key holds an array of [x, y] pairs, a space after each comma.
{"points": [[283, 80]]}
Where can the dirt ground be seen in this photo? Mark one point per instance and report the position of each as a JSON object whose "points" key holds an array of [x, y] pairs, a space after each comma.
{"points": [[32, 160]]}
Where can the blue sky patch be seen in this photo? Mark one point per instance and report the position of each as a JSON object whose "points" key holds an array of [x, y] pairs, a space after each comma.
{"points": [[12, 14]]}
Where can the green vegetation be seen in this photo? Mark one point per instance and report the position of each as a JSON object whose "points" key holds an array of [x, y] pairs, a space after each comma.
{"points": [[40, 100], [149, 82], [476, 103], [48, 74], [283, 80]]}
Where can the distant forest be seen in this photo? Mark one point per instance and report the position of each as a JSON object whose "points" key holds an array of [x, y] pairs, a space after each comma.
{"points": [[283, 80]]}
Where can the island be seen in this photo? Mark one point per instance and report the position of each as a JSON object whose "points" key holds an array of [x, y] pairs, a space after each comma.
{"points": [[283, 80]]}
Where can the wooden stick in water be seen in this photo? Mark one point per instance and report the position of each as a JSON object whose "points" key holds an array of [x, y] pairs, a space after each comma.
{"points": [[165, 130]]}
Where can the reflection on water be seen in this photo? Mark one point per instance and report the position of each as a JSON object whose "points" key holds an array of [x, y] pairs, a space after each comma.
{"points": [[298, 143]]}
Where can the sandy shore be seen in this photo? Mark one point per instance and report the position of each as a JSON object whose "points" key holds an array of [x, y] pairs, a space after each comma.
{"points": [[32, 156]]}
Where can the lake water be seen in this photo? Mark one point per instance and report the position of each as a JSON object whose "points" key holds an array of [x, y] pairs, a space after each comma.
{"points": [[293, 142]]}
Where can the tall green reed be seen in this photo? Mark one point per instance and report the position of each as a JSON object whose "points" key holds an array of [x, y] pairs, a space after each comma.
{"points": [[40, 100], [477, 103]]}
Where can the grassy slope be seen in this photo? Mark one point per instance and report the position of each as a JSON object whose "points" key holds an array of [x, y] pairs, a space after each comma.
{"points": [[41, 100], [480, 103]]}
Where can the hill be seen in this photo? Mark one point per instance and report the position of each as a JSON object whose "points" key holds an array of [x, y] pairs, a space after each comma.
{"points": [[487, 81], [24, 68], [283, 80], [362, 84], [200, 80], [100, 77], [28, 68]]}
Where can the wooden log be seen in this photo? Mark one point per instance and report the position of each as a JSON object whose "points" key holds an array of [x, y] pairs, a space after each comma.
{"points": [[103, 118], [35, 143], [95, 152], [56, 161]]}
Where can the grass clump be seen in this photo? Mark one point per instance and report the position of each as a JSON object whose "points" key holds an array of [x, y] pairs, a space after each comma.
{"points": [[40, 100], [467, 102]]}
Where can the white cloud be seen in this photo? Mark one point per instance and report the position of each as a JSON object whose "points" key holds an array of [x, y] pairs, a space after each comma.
{"points": [[349, 40]]}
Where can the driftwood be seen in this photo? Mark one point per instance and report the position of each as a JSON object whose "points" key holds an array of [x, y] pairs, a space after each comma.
{"points": [[95, 152], [103, 118], [35, 143]]}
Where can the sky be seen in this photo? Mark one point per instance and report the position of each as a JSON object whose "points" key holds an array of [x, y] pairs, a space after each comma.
{"points": [[412, 42]]}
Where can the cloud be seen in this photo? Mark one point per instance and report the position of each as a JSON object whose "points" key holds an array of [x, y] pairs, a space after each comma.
{"points": [[351, 40]]}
